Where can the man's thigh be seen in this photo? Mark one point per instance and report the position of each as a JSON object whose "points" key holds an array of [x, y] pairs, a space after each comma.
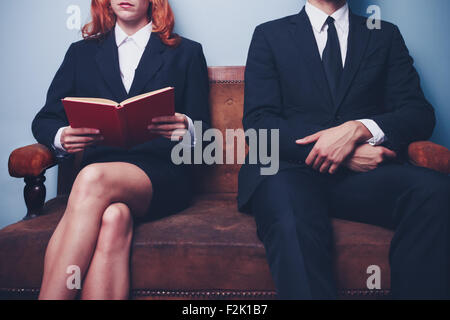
{"points": [[292, 195], [376, 197]]}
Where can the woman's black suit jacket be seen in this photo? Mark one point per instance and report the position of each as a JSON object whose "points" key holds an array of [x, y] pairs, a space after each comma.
{"points": [[91, 69]]}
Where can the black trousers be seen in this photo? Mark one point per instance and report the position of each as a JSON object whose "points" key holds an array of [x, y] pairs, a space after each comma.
{"points": [[292, 210]]}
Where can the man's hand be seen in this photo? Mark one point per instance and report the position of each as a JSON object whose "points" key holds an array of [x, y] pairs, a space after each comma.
{"points": [[333, 146], [76, 140], [367, 158], [174, 126]]}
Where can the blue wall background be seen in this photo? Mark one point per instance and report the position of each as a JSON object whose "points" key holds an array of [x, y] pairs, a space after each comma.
{"points": [[35, 39]]}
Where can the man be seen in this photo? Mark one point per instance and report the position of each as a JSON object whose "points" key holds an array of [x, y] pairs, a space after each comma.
{"points": [[347, 102]]}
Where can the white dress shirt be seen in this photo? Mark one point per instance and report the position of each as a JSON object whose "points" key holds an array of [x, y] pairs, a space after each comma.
{"points": [[342, 22], [130, 51]]}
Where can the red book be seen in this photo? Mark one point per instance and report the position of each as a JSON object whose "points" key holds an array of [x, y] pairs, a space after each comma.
{"points": [[121, 124]]}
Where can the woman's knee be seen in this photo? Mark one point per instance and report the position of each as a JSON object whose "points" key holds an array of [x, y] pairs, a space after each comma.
{"points": [[117, 219], [116, 229], [90, 181]]}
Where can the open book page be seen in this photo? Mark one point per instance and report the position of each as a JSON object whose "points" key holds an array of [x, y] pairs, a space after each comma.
{"points": [[93, 100], [145, 95]]}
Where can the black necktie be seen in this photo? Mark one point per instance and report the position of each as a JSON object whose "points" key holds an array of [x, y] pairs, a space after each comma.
{"points": [[332, 59]]}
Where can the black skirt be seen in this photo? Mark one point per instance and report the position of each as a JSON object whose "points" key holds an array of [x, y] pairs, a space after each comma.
{"points": [[172, 184]]}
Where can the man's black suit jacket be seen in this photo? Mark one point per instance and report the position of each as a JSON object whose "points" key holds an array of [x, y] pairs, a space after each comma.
{"points": [[91, 69], [286, 89]]}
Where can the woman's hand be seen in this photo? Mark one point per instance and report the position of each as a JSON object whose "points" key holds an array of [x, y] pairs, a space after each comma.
{"points": [[367, 158], [76, 140], [170, 127]]}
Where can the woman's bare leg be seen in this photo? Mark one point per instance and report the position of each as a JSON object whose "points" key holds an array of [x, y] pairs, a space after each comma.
{"points": [[108, 277], [96, 187]]}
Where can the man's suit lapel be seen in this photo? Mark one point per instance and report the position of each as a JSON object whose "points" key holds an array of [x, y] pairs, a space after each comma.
{"points": [[149, 65], [358, 39], [303, 36], [108, 63]]}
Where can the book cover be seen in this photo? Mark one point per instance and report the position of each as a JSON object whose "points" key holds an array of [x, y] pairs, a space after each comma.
{"points": [[121, 124]]}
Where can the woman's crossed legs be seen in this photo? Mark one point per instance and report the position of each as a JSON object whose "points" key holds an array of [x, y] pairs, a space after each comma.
{"points": [[95, 232]]}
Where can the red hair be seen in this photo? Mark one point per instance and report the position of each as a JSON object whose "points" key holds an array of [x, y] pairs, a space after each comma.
{"points": [[104, 20]]}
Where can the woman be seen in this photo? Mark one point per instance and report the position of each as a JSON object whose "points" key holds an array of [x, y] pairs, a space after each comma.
{"points": [[129, 48]]}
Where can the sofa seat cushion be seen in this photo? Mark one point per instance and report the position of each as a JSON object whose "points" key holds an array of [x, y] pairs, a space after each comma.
{"points": [[210, 246]]}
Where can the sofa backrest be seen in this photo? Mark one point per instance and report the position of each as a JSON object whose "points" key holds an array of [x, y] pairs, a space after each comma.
{"points": [[226, 103]]}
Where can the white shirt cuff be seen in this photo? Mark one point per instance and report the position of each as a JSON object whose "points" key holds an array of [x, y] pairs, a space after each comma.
{"points": [[59, 149], [191, 130], [378, 135]]}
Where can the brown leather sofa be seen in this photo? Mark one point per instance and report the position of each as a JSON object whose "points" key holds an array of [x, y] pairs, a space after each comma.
{"points": [[209, 251]]}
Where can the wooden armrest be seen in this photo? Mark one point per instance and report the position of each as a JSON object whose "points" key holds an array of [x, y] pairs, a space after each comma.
{"points": [[30, 161], [430, 155]]}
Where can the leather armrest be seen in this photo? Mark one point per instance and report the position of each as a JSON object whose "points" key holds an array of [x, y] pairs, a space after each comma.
{"points": [[430, 155], [30, 161]]}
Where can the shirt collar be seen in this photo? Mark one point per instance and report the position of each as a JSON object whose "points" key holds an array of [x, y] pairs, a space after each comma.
{"points": [[318, 17], [141, 37]]}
